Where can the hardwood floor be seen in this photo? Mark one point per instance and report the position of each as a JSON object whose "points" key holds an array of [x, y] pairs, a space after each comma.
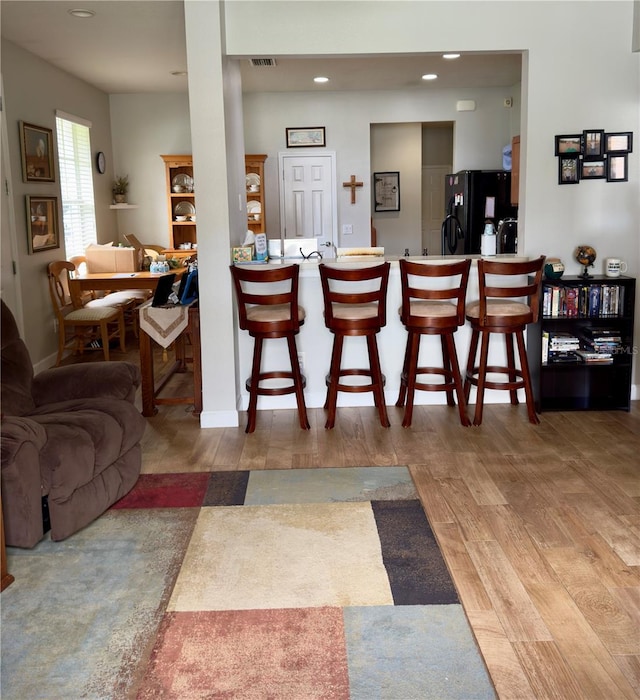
{"points": [[539, 525]]}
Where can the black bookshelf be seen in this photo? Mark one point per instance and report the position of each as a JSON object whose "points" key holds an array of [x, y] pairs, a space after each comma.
{"points": [[598, 312]]}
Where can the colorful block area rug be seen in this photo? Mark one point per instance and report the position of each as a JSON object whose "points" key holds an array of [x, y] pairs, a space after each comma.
{"points": [[287, 585]]}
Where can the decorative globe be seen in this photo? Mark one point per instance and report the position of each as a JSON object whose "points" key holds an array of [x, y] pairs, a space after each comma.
{"points": [[586, 256]]}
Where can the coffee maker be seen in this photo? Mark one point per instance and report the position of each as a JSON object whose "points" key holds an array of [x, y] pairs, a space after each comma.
{"points": [[507, 236]]}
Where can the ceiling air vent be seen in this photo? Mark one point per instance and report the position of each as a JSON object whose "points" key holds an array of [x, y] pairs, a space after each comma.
{"points": [[262, 62]]}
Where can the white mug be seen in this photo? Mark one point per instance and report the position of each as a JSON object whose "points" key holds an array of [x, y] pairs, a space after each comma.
{"points": [[614, 267]]}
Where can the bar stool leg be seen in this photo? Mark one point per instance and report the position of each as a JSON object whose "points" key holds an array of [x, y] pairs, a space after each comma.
{"points": [[457, 379], [446, 363], [378, 380], [405, 369], [255, 381], [511, 364], [473, 350], [482, 376], [413, 349], [528, 390], [297, 382], [333, 381]]}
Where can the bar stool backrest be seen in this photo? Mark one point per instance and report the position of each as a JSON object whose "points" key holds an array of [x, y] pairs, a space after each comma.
{"points": [[496, 281], [349, 287], [449, 284], [268, 288]]}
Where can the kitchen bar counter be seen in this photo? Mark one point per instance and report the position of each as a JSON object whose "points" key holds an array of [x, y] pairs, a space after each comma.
{"points": [[314, 341]]}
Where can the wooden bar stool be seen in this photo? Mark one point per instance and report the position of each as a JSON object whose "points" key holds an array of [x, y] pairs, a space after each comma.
{"points": [[501, 309], [433, 298], [268, 308], [355, 301]]}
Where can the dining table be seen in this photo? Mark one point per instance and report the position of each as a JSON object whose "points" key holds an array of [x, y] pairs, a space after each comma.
{"points": [[119, 281]]}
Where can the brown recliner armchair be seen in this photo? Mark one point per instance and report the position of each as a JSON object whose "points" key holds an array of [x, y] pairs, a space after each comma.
{"points": [[70, 441]]}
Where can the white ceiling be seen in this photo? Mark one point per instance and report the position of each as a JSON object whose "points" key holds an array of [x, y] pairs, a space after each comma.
{"points": [[133, 46]]}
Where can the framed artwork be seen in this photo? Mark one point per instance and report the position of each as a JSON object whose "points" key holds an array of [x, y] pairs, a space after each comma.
{"points": [[617, 168], [305, 137], [593, 169], [36, 145], [620, 142], [571, 143], [42, 223], [593, 143], [387, 191], [568, 170]]}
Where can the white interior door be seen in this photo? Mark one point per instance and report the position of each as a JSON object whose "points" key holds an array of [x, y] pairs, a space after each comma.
{"points": [[308, 196], [433, 206]]}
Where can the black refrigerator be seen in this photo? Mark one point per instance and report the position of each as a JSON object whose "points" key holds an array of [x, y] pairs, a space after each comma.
{"points": [[472, 197]]}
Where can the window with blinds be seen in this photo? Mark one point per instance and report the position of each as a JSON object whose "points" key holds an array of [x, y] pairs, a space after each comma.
{"points": [[76, 184]]}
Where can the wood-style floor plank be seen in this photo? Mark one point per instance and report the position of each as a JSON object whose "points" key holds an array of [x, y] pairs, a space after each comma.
{"points": [[539, 525]]}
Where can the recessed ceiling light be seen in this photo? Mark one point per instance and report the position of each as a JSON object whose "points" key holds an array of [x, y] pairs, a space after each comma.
{"points": [[82, 14], [178, 73], [450, 56], [320, 79], [429, 76]]}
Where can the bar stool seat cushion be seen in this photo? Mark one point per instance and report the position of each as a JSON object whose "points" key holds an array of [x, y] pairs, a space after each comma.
{"points": [[498, 308], [272, 313], [431, 309], [354, 312]]}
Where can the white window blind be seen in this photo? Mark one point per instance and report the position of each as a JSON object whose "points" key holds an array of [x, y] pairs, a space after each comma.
{"points": [[76, 184]]}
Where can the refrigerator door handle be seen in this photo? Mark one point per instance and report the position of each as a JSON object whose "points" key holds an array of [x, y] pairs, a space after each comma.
{"points": [[451, 233]]}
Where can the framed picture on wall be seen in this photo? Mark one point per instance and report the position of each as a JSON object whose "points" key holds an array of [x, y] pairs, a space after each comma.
{"points": [[386, 190], [305, 137], [593, 144], [617, 168], [568, 170], [36, 146], [593, 169], [42, 223], [620, 142], [569, 144]]}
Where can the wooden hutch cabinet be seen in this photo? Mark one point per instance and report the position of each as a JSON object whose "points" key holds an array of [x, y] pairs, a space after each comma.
{"points": [[181, 201], [254, 168]]}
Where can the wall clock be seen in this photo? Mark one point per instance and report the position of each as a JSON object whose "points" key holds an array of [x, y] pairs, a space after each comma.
{"points": [[101, 163]]}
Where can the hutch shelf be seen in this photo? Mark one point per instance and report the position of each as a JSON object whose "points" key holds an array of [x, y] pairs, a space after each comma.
{"points": [[254, 169], [581, 350], [181, 201]]}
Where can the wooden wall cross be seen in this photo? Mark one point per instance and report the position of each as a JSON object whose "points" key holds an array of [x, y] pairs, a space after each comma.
{"points": [[353, 184]]}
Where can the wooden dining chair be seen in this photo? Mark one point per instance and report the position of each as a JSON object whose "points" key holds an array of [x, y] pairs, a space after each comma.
{"points": [[79, 324]]}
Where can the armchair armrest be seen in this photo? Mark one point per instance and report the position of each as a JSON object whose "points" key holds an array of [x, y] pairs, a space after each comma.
{"points": [[22, 487], [118, 380]]}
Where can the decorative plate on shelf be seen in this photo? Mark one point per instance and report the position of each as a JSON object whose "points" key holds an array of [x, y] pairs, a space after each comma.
{"points": [[253, 181], [182, 183], [254, 207], [184, 209]]}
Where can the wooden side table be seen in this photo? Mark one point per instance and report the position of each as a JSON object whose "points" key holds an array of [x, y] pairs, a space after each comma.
{"points": [[7, 578], [150, 392]]}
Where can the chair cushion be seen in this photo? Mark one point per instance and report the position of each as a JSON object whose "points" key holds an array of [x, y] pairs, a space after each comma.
{"points": [[431, 309], [498, 307], [355, 311], [272, 313], [91, 314]]}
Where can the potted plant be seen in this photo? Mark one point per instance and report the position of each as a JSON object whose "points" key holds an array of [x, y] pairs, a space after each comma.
{"points": [[120, 188]]}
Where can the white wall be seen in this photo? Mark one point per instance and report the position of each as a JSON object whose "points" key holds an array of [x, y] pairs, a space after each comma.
{"points": [[33, 91], [398, 147], [479, 139], [144, 128]]}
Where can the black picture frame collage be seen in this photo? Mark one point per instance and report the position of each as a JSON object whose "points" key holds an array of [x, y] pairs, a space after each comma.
{"points": [[594, 154]]}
